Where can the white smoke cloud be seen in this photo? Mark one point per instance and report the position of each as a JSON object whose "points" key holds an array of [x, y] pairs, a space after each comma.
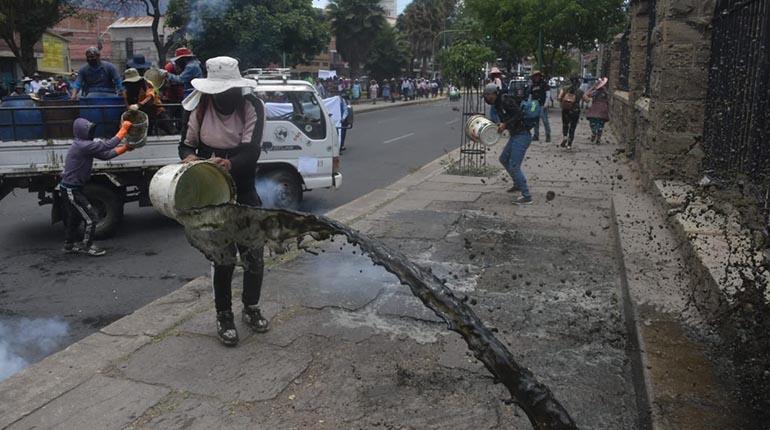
{"points": [[24, 340], [202, 9]]}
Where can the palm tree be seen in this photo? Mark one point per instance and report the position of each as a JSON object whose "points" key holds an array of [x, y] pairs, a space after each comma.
{"points": [[355, 24], [421, 22]]}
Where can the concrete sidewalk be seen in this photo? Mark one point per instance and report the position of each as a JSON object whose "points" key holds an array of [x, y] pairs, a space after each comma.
{"points": [[350, 348]]}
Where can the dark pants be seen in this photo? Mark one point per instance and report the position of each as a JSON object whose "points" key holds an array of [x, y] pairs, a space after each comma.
{"points": [[78, 209], [569, 122], [251, 257]]}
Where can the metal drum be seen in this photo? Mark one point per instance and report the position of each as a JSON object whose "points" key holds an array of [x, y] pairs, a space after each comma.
{"points": [[480, 129], [178, 187]]}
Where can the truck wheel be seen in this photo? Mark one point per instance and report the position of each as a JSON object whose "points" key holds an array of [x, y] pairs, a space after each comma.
{"points": [[280, 189], [109, 205]]}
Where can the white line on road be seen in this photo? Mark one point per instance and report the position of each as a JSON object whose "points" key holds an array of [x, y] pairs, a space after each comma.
{"points": [[398, 138], [452, 121]]}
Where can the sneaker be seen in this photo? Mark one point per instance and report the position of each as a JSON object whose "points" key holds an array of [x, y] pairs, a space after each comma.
{"points": [[523, 201], [563, 143], [93, 250], [536, 139], [548, 139], [253, 318], [226, 330], [513, 189]]}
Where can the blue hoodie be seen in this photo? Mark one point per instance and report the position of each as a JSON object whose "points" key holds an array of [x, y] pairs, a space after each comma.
{"points": [[80, 156]]}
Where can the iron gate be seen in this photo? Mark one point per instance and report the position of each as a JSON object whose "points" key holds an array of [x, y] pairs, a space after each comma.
{"points": [[737, 123]]}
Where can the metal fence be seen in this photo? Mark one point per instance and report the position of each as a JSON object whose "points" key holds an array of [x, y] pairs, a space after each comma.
{"points": [[737, 123], [624, 66]]}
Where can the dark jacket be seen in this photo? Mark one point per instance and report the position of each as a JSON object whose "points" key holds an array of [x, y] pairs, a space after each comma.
{"points": [[80, 156], [509, 111], [243, 159], [539, 90], [102, 78]]}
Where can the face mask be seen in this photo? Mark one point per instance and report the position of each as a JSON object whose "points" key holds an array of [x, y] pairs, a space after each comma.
{"points": [[93, 62], [227, 101]]}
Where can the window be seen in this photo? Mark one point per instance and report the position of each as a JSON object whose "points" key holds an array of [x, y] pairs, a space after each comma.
{"points": [[129, 48], [301, 108]]}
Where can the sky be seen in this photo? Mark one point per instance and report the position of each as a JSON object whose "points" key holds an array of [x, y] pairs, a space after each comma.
{"points": [[401, 4]]}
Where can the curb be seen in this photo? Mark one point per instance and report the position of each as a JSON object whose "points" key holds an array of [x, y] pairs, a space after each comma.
{"points": [[386, 105]]}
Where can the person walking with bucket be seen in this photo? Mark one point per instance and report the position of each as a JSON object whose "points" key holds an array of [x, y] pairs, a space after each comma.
{"points": [[225, 127]]}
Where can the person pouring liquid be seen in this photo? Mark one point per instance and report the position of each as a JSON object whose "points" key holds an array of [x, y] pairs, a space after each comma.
{"points": [[225, 126]]}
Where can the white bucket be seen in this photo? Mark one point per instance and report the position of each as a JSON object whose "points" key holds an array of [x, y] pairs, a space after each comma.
{"points": [[178, 187], [481, 129]]}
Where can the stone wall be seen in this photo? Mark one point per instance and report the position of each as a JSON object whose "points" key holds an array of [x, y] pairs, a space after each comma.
{"points": [[664, 128]]}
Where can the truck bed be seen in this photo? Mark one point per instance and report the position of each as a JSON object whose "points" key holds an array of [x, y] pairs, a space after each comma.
{"points": [[27, 158]]}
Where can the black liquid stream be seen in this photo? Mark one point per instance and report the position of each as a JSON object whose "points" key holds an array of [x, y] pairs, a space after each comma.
{"points": [[214, 229]]}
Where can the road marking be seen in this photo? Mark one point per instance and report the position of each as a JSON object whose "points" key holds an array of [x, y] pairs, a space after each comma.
{"points": [[398, 138], [452, 121]]}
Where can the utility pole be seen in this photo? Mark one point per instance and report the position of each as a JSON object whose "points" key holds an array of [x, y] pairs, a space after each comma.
{"points": [[540, 38]]}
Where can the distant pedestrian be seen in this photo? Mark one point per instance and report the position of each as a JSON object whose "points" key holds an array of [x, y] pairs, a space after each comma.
{"points": [[508, 115], [186, 68], [385, 90], [374, 91], [27, 87], [36, 83], [97, 78], [539, 90], [599, 112], [355, 90], [570, 98], [319, 87], [496, 77]]}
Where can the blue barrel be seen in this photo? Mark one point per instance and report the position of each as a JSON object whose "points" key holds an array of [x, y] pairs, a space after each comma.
{"points": [[20, 119], [105, 113]]}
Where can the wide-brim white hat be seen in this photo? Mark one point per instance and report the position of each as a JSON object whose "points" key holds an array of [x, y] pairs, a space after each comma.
{"points": [[223, 74]]}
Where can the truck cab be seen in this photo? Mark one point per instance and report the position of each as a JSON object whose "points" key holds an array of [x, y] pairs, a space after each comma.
{"points": [[300, 143]]}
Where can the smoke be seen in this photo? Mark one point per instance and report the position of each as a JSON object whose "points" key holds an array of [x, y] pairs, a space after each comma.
{"points": [[268, 189], [202, 10], [24, 340]]}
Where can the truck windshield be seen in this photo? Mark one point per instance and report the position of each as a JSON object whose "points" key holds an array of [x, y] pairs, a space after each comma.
{"points": [[301, 108]]}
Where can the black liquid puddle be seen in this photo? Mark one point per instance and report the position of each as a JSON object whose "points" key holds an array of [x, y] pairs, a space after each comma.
{"points": [[213, 230]]}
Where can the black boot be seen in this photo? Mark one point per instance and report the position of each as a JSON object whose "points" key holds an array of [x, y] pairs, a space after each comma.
{"points": [[226, 328], [253, 318]]}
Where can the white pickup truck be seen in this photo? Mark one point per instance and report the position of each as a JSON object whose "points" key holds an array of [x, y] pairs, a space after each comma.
{"points": [[300, 152]]}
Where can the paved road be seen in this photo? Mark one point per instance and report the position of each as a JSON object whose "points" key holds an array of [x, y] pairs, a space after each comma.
{"points": [[150, 256]]}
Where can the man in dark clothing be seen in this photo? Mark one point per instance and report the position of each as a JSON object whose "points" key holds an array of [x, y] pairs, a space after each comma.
{"points": [[506, 111], [570, 98], [226, 128], [188, 68], [539, 91], [77, 172], [97, 78]]}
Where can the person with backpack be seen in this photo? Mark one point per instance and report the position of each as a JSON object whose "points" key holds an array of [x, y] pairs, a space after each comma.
{"points": [[225, 127], [507, 113], [569, 98], [539, 92], [599, 112]]}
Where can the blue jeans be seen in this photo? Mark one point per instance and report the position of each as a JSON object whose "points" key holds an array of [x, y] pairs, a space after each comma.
{"points": [[512, 158], [546, 125]]}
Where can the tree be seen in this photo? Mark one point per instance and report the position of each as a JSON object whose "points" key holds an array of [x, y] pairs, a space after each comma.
{"points": [[23, 22], [355, 24], [513, 25], [421, 23], [154, 9], [257, 33], [388, 55], [463, 63]]}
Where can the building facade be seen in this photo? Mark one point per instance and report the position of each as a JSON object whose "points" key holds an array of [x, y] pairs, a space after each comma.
{"points": [[391, 8], [131, 36]]}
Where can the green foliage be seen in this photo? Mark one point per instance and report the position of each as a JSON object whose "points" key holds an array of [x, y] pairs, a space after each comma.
{"points": [[388, 55], [513, 25], [257, 33], [421, 22], [355, 24], [23, 22], [463, 63]]}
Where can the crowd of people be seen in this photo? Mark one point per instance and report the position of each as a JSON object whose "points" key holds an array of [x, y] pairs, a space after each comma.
{"points": [[388, 90]]}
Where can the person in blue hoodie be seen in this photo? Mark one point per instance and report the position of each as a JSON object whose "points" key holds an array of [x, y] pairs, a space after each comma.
{"points": [[77, 172]]}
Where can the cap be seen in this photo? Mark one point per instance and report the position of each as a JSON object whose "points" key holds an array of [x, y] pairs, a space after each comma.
{"points": [[490, 89]]}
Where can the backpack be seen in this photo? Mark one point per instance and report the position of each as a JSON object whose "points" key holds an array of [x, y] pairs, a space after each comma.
{"points": [[530, 110]]}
